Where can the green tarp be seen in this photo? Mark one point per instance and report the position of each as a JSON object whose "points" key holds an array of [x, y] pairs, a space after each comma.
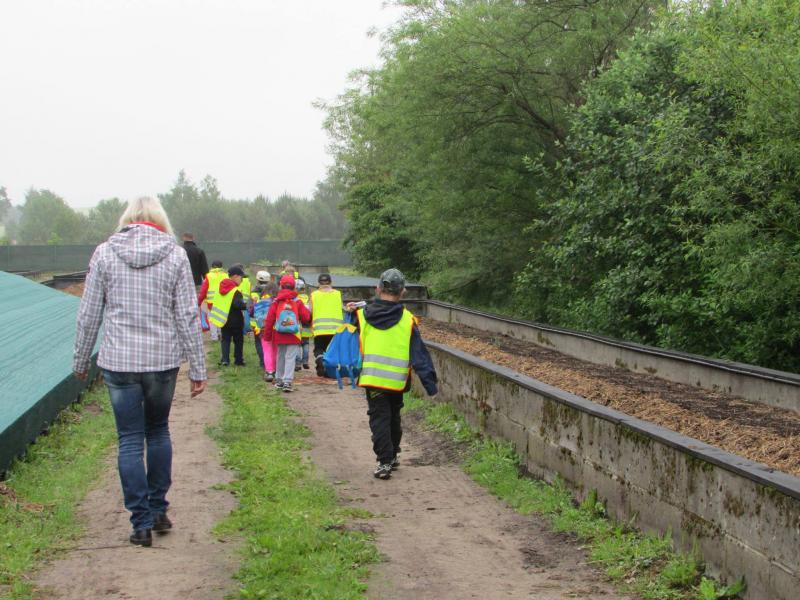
{"points": [[36, 342]]}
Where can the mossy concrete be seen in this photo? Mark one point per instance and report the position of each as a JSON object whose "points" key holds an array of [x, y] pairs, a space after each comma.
{"points": [[743, 517]]}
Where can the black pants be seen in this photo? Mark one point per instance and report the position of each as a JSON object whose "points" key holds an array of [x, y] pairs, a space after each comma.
{"points": [[321, 343], [384, 422], [237, 336]]}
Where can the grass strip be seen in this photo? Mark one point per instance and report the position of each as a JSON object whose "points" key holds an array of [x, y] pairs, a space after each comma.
{"points": [[42, 490], [297, 540], [643, 563]]}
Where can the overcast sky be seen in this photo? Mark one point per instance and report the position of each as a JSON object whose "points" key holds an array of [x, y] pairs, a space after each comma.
{"points": [[102, 98]]}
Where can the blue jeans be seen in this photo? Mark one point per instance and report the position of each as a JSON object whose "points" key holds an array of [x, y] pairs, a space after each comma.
{"points": [[141, 403]]}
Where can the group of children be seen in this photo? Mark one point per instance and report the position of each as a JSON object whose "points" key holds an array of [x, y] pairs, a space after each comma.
{"points": [[284, 319]]}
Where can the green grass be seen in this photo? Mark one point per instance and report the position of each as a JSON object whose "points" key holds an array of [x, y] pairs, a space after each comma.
{"points": [[42, 490], [646, 564], [297, 543]]}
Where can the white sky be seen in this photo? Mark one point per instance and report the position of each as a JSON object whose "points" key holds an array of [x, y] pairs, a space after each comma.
{"points": [[102, 98]]}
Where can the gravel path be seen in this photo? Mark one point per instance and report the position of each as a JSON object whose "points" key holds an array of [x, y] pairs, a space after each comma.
{"points": [[188, 562], [443, 536]]}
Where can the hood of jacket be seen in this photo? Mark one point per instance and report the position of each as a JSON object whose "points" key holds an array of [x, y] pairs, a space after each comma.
{"points": [[286, 295], [226, 285], [140, 246], [383, 314]]}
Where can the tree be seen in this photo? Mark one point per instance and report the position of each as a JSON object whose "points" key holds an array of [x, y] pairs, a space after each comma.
{"points": [[103, 220], [466, 91], [46, 218]]}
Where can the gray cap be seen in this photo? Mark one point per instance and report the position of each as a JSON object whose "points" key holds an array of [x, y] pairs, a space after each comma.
{"points": [[392, 281]]}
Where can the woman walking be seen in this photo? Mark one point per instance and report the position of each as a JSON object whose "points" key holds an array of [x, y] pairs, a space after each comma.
{"points": [[140, 287]]}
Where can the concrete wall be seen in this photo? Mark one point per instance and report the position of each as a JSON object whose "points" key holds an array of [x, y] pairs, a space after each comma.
{"points": [[744, 518], [774, 388]]}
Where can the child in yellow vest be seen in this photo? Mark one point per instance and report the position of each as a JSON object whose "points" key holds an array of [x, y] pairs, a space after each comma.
{"points": [[327, 315], [306, 333]]}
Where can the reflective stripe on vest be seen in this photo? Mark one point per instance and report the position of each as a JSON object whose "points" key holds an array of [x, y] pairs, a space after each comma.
{"points": [[215, 277], [218, 315], [386, 353], [326, 312]]}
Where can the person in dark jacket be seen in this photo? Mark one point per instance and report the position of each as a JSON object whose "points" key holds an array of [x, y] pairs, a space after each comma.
{"points": [[197, 259], [234, 326], [391, 345]]}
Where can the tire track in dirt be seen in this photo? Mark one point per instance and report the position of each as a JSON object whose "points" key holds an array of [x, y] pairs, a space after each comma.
{"points": [[444, 537], [188, 562]]}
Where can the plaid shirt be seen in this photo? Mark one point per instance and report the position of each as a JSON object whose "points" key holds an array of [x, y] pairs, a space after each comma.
{"points": [[140, 287]]}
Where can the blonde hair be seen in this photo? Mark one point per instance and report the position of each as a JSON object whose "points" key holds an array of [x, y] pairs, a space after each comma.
{"points": [[145, 208]]}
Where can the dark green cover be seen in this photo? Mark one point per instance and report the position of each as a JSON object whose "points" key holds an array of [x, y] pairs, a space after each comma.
{"points": [[36, 344]]}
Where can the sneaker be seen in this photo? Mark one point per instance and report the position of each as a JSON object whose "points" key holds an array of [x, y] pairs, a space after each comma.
{"points": [[278, 384], [269, 376], [320, 367], [161, 523], [305, 366], [222, 363], [287, 387], [241, 364], [395, 463], [383, 471], [297, 368]]}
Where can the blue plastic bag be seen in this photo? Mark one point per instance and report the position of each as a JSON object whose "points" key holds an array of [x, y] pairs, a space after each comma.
{"points": [[343, 356]]}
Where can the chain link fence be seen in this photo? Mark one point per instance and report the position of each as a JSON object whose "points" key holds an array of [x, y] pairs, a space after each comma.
{"points": [[76, 258]]}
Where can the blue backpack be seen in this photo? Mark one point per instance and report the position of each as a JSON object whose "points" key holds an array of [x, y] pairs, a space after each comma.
{"points": [[260, 310], [287, 320], [343, 356]]}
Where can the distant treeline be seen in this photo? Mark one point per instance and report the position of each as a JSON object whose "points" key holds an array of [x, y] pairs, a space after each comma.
{"points": [[630, 167], [45, 218]]}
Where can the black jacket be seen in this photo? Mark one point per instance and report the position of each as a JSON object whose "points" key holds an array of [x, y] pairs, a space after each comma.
{"points": [[197, 260], [235, 317], [383, 314]]}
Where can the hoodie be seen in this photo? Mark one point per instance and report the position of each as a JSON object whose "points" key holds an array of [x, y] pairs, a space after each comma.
{"points": [[238, 304], [140, 287], [383, 314], [285, 298]]}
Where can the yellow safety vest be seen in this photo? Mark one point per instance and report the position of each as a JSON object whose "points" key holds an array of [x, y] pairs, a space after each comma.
{"points": [[305, 332], [326, 312], [296, 274], [386, 353], [215, 277], [218, 315], [244, 287]]}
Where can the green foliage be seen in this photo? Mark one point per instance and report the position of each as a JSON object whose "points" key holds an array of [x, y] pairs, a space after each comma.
{"points": [[431, 144], [47, 219], [297, 544], [203, 211], [40, 496], [711, 590], [673, 217]]}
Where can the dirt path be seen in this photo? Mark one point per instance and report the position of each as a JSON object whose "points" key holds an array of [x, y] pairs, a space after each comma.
{"points": [[188, 562], [444, 536]]}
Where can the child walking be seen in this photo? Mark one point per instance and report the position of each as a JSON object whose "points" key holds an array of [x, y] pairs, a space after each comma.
{"points": [[392, 346], [284, 319], [227, 313], [305, 332]]}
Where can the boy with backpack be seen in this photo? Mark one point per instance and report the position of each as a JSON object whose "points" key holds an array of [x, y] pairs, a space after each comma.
{"points": [[282, 325], [391, 346]]}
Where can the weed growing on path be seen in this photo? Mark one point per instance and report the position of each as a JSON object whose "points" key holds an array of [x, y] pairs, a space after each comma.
{"points": [[39, 498], [646, 564], [296, 540]]}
